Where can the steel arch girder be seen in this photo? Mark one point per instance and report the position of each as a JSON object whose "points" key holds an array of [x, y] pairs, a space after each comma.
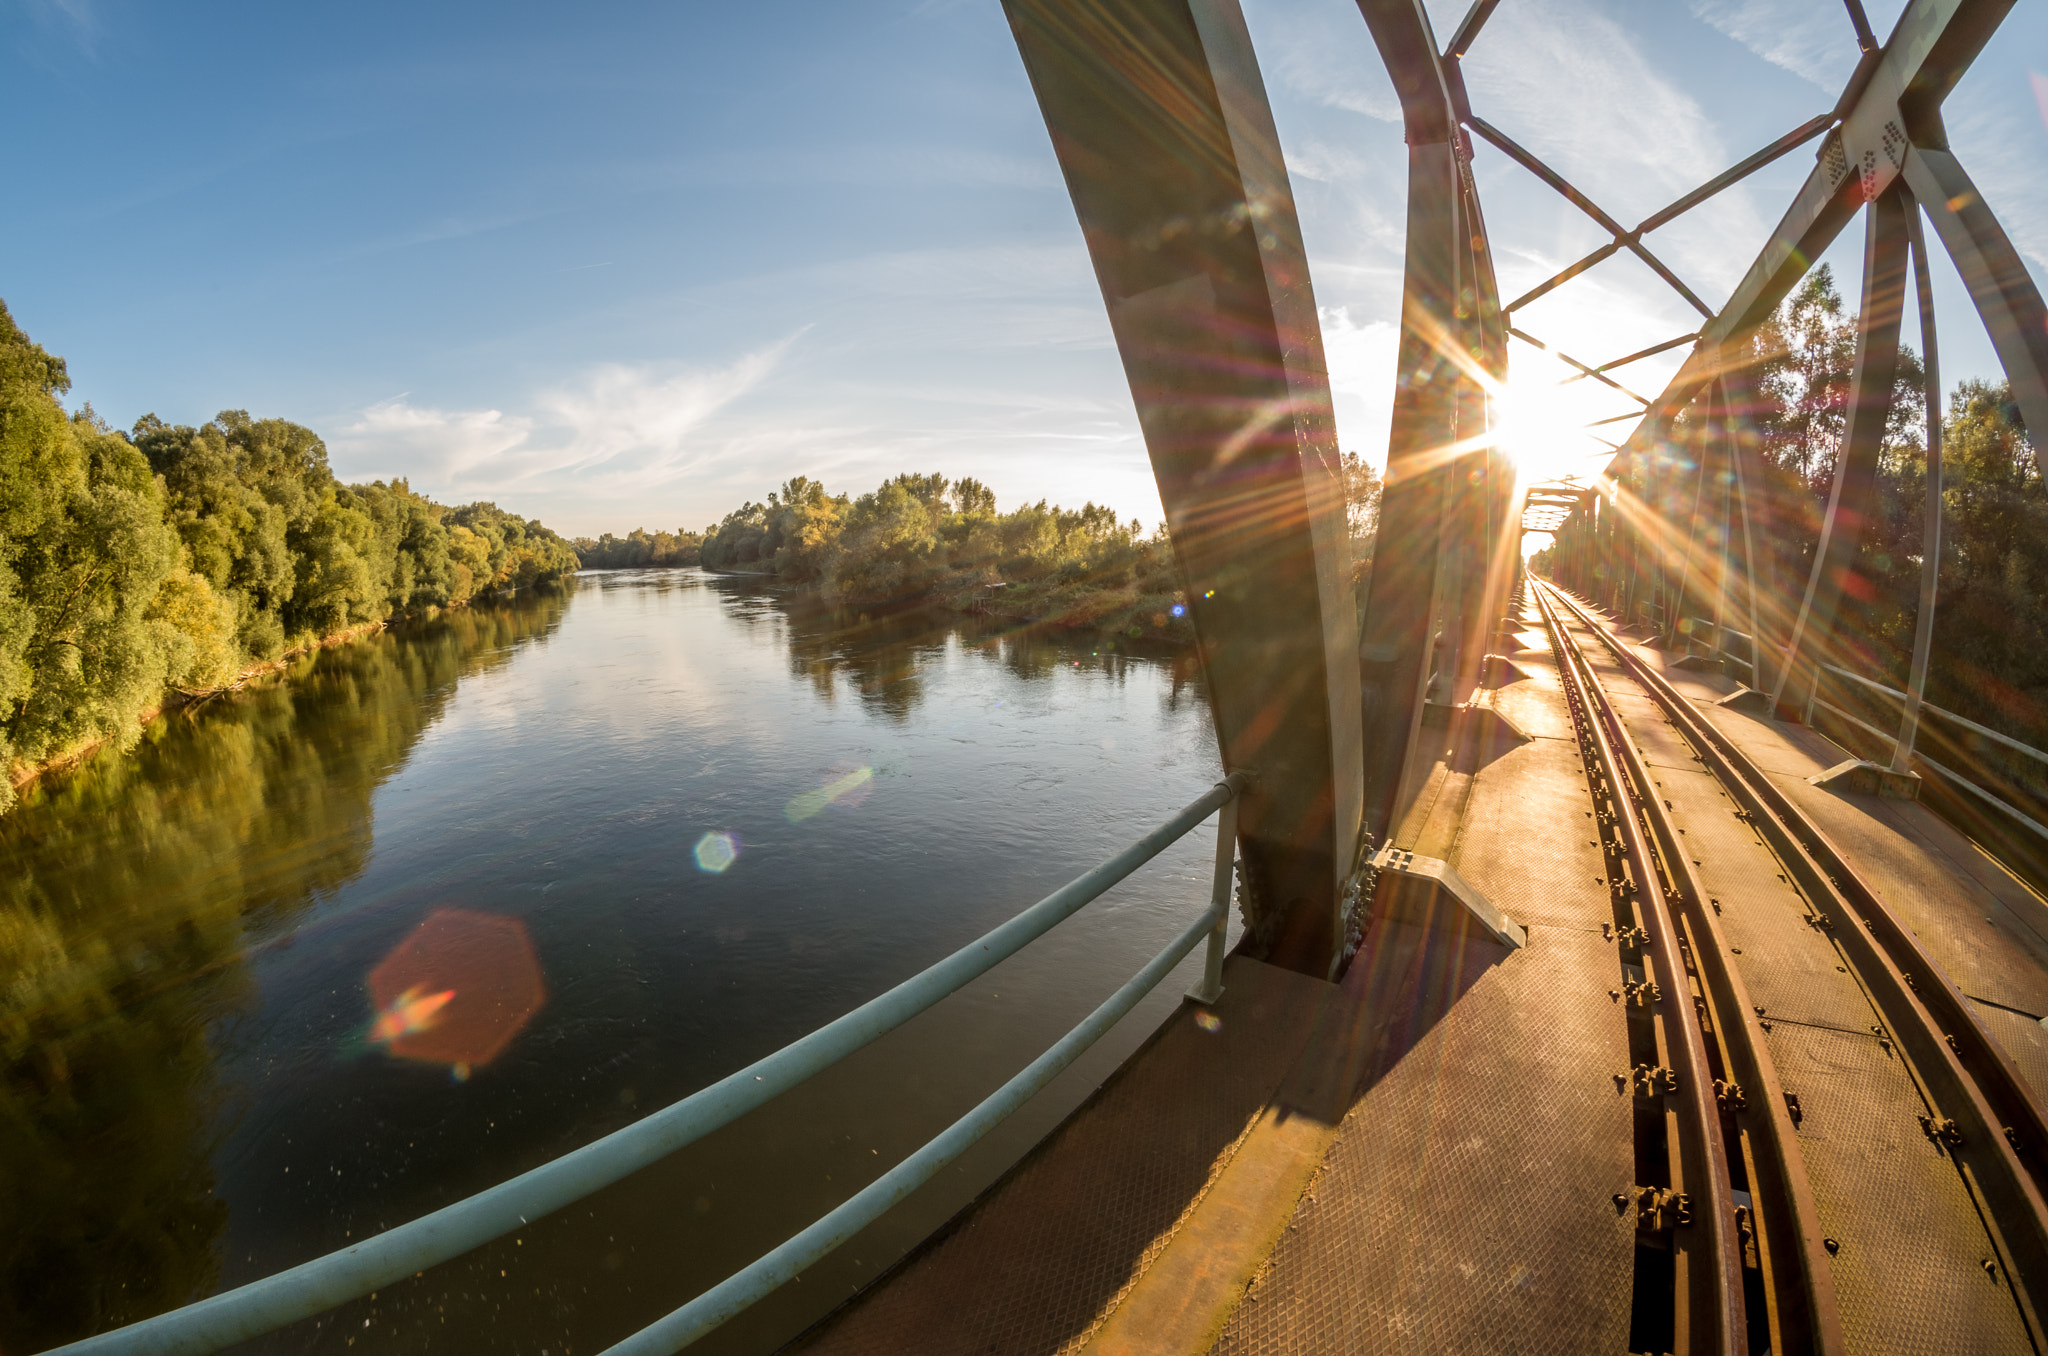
{"points": [[1448, 533], [2006, 299], [1161, 125], [1852, 501]]}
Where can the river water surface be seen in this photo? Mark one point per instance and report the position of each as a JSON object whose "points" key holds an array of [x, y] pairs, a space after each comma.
{"points": [[327, 954]]}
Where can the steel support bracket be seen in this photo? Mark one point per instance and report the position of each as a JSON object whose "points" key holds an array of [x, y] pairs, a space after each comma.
{"points": [[1748, 701], [1497, 671], [1415, 889], [1870, 779]]}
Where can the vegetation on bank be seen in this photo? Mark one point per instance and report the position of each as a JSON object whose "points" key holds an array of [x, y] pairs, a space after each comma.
{"points": [[638, 550], [173, 560], [1991, 618], [925, 538]]}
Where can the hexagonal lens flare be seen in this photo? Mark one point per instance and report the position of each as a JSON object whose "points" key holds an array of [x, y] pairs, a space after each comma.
{"points": [[457, 989]]}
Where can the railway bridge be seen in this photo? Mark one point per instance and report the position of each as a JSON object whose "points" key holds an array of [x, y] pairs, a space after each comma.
{"points": [[1626, 965]]}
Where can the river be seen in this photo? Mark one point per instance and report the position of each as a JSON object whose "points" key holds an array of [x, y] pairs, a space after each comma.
{"points": [[328, 953]]}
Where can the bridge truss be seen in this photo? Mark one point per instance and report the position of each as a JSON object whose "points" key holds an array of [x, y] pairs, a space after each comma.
{"points": [[1162, 127]]}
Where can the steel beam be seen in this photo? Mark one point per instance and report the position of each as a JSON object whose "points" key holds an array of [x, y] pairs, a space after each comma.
{"points": [[2004, 294], [1583, 370], [1930, 531], [1449, 536], [1852, 501], [1893, 100], [1410, 559], [1161, 124], [1641, 353], [1623, 237]]}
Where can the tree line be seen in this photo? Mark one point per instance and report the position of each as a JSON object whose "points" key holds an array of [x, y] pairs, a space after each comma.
{"points": [[1990, 656], [638, 550], [171, 559], [925, 537]]}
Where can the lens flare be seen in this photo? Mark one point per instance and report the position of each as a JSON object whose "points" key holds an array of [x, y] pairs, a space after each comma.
{"points": [[411, 1012], [716, 851], [456, 990], [1209, 1022], [849, 788]]}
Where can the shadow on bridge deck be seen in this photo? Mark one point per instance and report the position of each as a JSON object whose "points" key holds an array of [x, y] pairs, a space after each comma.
{"points": [[1425, 1156]]}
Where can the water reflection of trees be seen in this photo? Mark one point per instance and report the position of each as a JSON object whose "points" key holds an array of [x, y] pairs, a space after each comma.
{"points": [[130, 891], [883, 654]]}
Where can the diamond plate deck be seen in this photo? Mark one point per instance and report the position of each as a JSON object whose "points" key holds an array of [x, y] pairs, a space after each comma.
{"points": [[1467, 1204], [1909, 1274]]}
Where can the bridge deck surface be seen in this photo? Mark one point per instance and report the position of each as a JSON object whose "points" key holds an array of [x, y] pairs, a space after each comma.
{"points": [[1908, 1275], [1986, 928], [1424, 1157]]}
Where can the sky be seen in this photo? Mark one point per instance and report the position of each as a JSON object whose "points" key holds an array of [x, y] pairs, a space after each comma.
{"points": [[628, 265]]}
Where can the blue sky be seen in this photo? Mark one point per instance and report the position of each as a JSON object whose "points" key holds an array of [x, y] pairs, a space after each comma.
{"points": [[626, 265]]}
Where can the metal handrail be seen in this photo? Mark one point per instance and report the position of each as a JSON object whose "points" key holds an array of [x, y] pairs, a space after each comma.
{"points": [[1930, 708], [2028, 821], [352, 1272]]}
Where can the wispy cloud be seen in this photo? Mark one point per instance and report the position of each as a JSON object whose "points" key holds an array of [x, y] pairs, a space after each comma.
{"points": [[636, 421], [1992, 132], [445, 446], [1323, 53], [1810, 38], [619, 410]]}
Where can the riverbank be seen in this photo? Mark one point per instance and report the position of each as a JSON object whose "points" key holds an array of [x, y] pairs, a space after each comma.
{"points": [[1123, 611], [20, 776]]}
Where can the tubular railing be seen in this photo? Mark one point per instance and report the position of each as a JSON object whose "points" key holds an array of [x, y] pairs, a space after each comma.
{"points": [[2005, 743], [1719, 641], [325, 1282]]}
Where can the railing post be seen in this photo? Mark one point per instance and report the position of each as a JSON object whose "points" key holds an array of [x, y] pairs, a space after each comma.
{"points": [[1211, 987]]}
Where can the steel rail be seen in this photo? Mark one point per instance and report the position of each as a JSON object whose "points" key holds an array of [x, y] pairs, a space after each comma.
{"points": [[1791, 1244], [1702, 1151], [1964, 1074], [350, 1273], [754, 1282]]}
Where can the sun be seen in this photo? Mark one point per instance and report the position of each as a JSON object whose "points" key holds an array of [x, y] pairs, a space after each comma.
{"points": [[1540, 419]]}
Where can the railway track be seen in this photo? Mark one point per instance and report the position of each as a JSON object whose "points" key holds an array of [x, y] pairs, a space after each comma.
{"points": [[1833, 1153]]}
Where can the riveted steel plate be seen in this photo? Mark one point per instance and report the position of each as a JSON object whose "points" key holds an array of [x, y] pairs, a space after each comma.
{"points": [[2023, 1038], [1529, 842], [1909, 1274], [1921, 880]]}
